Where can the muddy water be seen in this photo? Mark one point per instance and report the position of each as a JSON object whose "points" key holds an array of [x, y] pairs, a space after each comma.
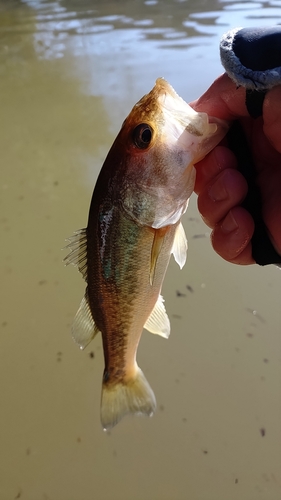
{"points": [[69, 73]]}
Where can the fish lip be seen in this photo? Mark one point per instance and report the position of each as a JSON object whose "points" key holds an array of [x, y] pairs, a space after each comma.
{"points": [[166, 86], [177, 108]]}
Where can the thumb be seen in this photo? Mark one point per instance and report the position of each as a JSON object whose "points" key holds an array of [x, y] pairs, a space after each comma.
{"points": [[223, 100]]}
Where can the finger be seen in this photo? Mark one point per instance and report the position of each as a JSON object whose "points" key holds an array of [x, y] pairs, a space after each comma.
{"points": [[225, 191], [272, 116], [220, 195], [223, 100], [219, 159], [231, 238]]}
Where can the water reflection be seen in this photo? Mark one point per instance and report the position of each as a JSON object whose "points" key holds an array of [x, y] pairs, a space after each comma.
{"points": [[142, 40], [138, 34], [162, 21]]}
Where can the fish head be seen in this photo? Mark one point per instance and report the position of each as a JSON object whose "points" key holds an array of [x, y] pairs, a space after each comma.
{"points": [[161, 139]]}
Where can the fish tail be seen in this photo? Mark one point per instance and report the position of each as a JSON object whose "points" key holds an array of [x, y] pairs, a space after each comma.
{"points": [[134, 396]]}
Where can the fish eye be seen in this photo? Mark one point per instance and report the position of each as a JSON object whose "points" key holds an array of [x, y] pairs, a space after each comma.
{"points": [[142, 135]]}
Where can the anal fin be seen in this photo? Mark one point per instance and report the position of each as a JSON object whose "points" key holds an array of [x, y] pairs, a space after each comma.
{"points": [[158, 321], [84, 328]]}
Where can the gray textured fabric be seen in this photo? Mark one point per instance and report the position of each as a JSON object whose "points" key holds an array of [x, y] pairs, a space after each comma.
{"points": [[254, 80]]}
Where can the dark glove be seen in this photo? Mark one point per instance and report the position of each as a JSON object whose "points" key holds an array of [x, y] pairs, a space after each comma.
{"points": [[252, 59]]}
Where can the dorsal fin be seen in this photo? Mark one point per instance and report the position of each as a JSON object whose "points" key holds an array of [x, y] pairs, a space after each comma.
{"points": [[84, 328], [158, 321], [180, 246], [78, 254]]}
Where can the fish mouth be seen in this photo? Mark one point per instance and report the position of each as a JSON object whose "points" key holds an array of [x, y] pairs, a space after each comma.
{"points": [[176, 109], [169, 98], [183, 127], [163, 86]]}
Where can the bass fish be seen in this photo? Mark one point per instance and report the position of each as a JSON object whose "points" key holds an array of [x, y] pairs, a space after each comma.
{"points": [[134, 226]]}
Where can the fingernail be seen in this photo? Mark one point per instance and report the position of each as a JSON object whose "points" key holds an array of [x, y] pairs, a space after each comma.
{"points": [[217, 191], [229, 224]]}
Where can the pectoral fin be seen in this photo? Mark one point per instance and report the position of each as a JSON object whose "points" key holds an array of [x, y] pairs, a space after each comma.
{"points": [[84, 328], [180, 246], [159, 235], [158, 321]]}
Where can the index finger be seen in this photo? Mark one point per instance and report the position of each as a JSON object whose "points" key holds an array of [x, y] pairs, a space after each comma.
{"points": [[223, 100]]}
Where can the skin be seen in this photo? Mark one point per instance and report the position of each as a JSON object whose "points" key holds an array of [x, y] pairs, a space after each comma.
{"points": [[219, 185]]}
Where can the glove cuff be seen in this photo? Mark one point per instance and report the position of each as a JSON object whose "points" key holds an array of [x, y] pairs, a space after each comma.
{"points": [[252, 57]]}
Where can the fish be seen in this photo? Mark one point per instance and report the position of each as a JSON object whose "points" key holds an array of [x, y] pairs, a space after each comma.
{"points": [[134, 226]]}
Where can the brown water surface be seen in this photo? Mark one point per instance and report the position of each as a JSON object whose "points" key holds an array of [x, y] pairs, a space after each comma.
{"points": [[70, 71]]}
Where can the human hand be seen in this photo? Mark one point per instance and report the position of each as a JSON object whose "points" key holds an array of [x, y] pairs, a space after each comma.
{"points": [[221, 188]]}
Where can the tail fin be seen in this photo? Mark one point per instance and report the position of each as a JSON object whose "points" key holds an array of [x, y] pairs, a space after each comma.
{"points": [[132, 397]]}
